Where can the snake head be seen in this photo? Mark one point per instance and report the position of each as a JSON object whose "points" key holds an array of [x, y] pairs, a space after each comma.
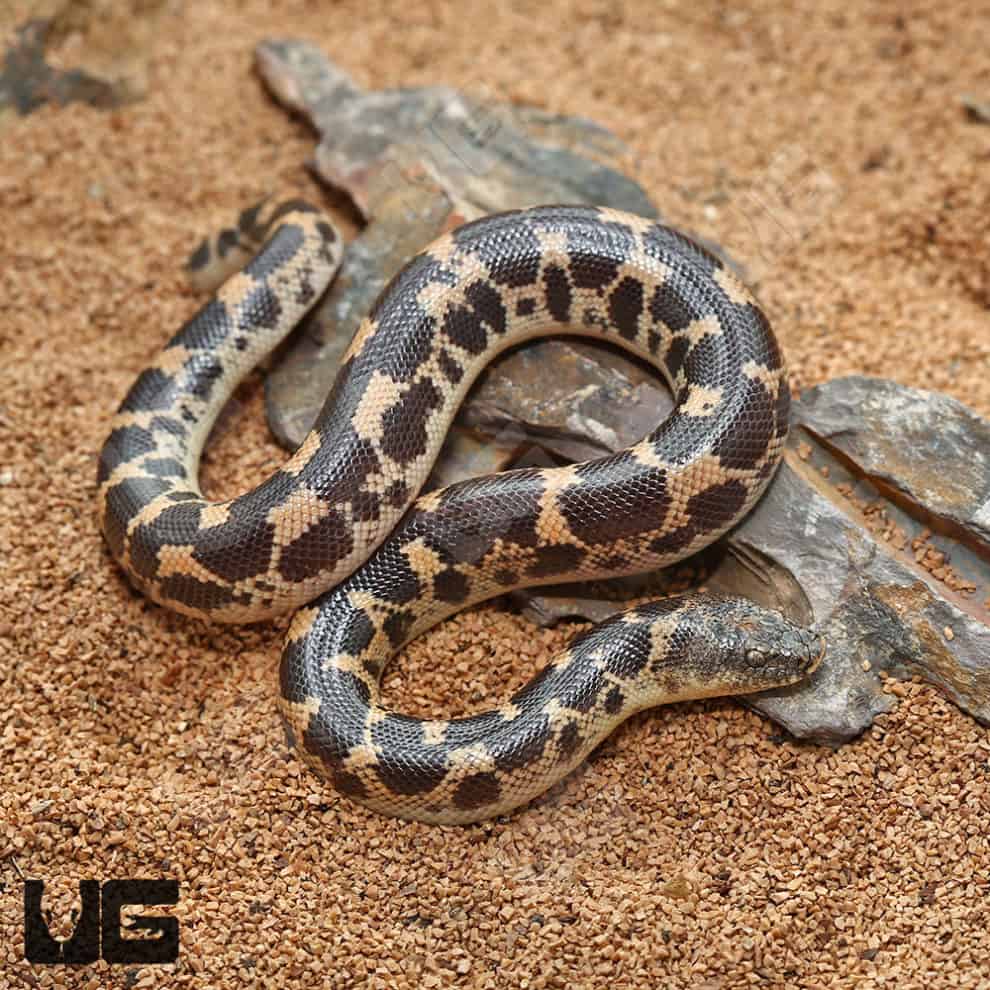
{"points": [[769, 650], [722, 646]]}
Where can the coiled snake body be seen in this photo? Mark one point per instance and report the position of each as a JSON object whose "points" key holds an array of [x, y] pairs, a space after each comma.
{"points": [[328, 522]]}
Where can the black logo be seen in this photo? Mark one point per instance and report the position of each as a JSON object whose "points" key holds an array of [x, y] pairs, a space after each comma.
{"points": [[99, 924]]}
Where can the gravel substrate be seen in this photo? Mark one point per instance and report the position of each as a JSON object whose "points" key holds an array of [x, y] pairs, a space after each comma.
{"points": [[828, 149]]}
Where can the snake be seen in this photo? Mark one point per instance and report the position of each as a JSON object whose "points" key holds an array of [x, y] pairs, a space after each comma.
{"points": [[341, 535]]}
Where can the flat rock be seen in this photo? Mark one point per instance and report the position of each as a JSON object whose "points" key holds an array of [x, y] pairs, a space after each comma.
{"points": [[896, 436], [27, 81], [487, 157], [116, 39]]}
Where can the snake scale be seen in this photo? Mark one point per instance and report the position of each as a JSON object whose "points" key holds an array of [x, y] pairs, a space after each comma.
{"points": [[339, 533]]}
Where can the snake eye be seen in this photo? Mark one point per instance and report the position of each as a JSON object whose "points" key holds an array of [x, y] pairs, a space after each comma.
{"points": [[755, 658]]}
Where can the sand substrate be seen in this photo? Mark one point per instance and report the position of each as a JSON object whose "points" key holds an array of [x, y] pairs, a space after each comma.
{"points": [[699, 848]]}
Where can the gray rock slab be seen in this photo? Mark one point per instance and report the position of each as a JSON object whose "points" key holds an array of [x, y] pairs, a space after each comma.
{"points": [[487, 156]]}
